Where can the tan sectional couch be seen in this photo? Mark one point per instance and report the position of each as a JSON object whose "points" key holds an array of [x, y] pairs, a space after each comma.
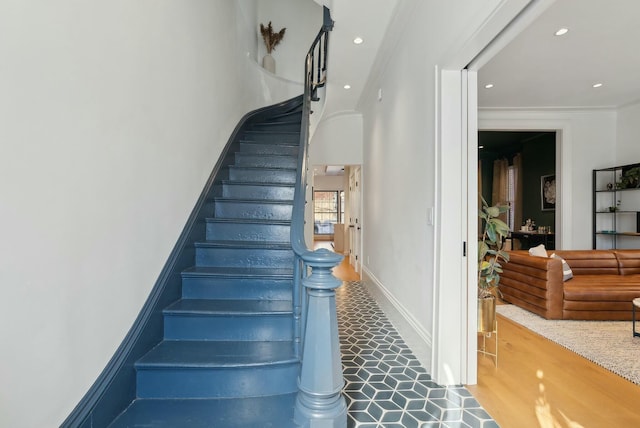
{"points": [[603, 285]]}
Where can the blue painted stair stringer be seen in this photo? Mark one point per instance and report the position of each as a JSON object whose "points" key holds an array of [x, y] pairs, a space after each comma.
{"points": [[116, 388]]}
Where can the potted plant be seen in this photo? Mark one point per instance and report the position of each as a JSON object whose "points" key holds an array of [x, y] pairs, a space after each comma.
{"points": [[490, 255], [271, 40]]}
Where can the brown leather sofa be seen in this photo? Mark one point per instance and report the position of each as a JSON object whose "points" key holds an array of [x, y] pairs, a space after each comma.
{"points": [[603, 285]]}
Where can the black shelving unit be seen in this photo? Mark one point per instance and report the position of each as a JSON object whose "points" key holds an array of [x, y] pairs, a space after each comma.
{"points": [[616, 207]]}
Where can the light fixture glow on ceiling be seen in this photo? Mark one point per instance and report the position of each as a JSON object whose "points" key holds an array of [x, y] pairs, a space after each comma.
{"points": [[347, 86], [488, 85], [597, 85], [562, 31], [358, 40]]}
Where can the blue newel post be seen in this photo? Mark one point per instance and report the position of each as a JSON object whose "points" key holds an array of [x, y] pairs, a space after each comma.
{"points": [[320, 403]]}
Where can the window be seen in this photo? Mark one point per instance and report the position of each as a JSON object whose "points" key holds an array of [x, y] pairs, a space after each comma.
{"points": [[328, 209]]}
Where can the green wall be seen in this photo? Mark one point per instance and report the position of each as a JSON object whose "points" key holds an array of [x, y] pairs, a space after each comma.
{"points": [[538, 158]]}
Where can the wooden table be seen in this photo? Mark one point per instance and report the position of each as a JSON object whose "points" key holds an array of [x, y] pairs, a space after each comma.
{"points": [[532, 239]]}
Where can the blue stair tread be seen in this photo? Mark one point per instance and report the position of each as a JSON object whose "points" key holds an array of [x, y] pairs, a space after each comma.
{"points": [[267, 132], [280, 143], [253, 201], [217, 354], [257, 183], [248, 221], [230, 307], [264, 168], [276, 122], [238, 272], [262, 245], [275, 411], [271, 155]]}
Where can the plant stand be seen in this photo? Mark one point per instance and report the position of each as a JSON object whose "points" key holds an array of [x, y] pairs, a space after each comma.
{"points": [[487, 334]]}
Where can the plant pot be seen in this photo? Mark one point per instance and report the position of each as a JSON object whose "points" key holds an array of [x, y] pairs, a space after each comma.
{"points": [[487, 315], [269, 64]]}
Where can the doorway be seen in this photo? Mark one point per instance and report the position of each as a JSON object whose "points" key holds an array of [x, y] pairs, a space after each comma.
{"points": [[337, 223], [518, 169]]}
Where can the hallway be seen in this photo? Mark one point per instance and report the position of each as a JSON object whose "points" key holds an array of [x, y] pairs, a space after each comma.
{"points": [[386, 386]]}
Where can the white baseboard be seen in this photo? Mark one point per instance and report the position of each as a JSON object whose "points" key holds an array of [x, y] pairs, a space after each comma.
{"points": [[414, 335]]}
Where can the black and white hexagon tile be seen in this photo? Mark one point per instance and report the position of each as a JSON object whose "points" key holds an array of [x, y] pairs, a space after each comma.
{"points": [[386, 387]]}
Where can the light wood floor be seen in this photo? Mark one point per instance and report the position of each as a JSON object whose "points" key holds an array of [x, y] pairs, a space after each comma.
{"points": [[539, 384], [344, 270]]}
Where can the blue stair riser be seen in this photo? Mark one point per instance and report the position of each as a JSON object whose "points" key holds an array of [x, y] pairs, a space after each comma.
{"points": [[228, 327], [201, 287], [235, 190], [246, 209], [262, 175], [229, 231], [269, 149], [244, 257], [265, 160], [271, 138], [282, 126], [217, 382], [291, 115]]}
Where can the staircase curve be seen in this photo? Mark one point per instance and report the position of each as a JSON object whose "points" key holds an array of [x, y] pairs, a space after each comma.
{"points": [[240, 329]]}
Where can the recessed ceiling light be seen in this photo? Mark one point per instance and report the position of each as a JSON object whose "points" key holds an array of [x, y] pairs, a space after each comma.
{"points": [[488, 85], [347, 86], [562, 31], [597, 85], [358, 40]]}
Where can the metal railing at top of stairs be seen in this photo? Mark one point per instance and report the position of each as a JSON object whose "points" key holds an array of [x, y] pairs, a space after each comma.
{"points": [[319, 401]]}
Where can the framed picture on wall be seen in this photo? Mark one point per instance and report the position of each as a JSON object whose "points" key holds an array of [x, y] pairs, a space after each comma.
{"points": [[548, 192]]}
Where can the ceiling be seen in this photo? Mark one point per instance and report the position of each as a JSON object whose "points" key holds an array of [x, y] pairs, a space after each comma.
{"points": [[535, 70], [539, 69]]}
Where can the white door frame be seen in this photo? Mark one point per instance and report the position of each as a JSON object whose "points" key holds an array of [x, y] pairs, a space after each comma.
{"points": [[454, 344]]}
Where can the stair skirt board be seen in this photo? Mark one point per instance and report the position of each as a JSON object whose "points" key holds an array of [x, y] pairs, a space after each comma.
{"points": [[213, 344]]}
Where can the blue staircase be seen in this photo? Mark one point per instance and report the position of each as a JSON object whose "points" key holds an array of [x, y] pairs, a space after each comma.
{"points": [[240, 329], [227, 358]]}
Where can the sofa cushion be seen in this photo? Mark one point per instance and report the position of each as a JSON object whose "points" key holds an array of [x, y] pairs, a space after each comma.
{"points": [[567, 273], [590, 262], [628, 261], [603, 288]]}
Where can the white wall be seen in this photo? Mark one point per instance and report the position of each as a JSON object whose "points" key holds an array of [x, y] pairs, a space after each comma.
{"points": [[588, 142], [302, 19], [628, 135], [337, 141], [400, 152], [113, 115], [328, 182]]}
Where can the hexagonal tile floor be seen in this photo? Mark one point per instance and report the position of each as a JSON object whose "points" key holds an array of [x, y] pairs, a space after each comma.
{"points": [[386, 387]]}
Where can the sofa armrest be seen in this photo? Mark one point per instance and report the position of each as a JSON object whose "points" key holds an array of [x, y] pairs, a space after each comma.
{"points": [[534, 283]]}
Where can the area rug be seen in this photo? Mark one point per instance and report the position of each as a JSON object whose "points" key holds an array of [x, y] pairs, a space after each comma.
{"points": [[609, 344]]}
